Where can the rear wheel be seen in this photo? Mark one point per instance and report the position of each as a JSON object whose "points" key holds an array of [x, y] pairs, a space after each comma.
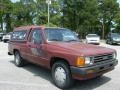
{"points": [[106, 41], [18, 59], [61, 75], [110, 42]]}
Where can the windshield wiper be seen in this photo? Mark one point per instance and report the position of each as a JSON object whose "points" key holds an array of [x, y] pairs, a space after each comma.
{"points": [[54, 40], [72, 40]]}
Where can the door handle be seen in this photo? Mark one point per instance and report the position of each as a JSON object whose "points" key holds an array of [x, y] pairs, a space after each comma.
{"points": [[29, 45]]}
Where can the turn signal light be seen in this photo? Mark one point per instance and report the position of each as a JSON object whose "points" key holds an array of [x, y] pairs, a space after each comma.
{"points": [[80, 61]]}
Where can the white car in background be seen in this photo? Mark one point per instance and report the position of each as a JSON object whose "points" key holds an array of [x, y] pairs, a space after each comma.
{"points": [[7, 37], [93, 39]]}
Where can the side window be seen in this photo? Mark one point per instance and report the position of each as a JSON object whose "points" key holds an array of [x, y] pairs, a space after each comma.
{"points": [[19, 35], [36, 37]]}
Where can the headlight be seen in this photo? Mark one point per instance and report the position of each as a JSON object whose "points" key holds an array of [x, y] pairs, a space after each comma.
{"points": [[88, 60], [114, 55], [114, 39]]}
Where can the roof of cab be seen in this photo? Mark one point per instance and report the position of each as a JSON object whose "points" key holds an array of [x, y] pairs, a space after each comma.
{"points": [[34, 26], [28, 27]]}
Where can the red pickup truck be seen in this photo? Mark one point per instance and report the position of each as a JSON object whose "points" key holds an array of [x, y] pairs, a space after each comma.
{"points": [[59, 50]]}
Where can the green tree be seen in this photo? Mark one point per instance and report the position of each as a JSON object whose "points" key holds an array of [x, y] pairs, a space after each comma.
{"points": [[42, 13], [117, 22], [81, 15], [5, 14], [108, 10], [23, 13]]}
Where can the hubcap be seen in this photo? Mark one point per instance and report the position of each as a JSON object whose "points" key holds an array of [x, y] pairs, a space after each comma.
{"points": [[17, 59], [60, 75]]}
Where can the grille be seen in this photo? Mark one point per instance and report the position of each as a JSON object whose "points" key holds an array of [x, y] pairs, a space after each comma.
{"points": [[102, 58]]}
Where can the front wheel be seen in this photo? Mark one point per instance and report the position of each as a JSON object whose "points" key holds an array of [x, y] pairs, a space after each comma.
{"points": [[109, 42], [5, 41], [61, 75]]}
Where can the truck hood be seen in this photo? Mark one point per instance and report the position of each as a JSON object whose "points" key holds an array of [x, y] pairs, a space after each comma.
{"points": [[82, 49]]}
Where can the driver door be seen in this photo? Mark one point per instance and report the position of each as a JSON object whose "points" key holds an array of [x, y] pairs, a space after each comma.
{"points": [[36, 48]]}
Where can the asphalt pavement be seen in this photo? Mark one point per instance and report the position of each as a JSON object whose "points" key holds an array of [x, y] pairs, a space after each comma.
{"points": [[33, 77]]}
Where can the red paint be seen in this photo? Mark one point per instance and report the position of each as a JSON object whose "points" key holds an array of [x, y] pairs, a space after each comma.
{"points": [[66, 50]]}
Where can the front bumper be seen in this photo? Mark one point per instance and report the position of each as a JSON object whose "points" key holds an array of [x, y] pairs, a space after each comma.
{"points": [[93, 71], [93, 42], [0, 38], [6, 39], [115, 41]]}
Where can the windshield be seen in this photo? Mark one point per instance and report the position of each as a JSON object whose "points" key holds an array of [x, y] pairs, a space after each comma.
{"points": [[9, 33], [54, 34], [92, 35], [1, 34], [115, 35]]}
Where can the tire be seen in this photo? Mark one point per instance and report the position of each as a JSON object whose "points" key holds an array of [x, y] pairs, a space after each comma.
{"points": [[5, 41], [19, 62], [110, 43], [106, 41], [98, 43], [99, 76], [61, 75]]}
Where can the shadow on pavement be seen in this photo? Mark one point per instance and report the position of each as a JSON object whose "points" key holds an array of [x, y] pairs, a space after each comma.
{"points": [[115, 44], [79, 85], [90, 84], [37, 71]]}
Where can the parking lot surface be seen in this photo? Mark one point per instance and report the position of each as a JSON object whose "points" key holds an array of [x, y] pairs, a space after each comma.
{"points": [[33, 77]]}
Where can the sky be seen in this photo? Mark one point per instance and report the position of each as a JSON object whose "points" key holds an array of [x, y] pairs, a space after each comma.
{"points": [[14, 0], [18, 0], [118, 1]]}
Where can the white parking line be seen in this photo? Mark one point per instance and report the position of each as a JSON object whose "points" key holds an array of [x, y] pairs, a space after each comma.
{"points": [[24, 84]]}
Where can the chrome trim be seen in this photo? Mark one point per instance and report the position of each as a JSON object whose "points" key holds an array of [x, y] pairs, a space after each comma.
{"points": [[102, 58]]}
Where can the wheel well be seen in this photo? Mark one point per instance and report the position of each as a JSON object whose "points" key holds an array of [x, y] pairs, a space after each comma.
{"points": [[56, 59], [15, 51]]}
